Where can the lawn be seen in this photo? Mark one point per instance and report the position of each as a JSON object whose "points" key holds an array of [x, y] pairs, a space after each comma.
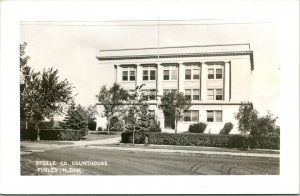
{"points": [[99, 135]]}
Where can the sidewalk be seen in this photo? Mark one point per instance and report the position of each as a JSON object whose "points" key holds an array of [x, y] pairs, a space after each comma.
{"points": [[211, 151]]}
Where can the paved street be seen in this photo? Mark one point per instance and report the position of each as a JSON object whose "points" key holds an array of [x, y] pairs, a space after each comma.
{"points": [[115, 162]]}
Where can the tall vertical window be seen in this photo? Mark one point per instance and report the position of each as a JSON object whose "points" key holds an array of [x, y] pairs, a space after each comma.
{"points": [[152, 74], [219, 74], [210, 94], [132, 76], [196, 74], [191, 116], [166, 74], [174, 74], [214, 116], [210, 74], [219, 94], [210, 116], [188, 74], [145, 74], [196, 94], [188, 94], [218, 116], [125, 75]]}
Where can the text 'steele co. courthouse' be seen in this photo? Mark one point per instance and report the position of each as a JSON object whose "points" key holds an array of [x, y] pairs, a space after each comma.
{"points": [[217, 78]]}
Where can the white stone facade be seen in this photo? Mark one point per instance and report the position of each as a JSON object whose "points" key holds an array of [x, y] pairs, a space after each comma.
{"points": [[217, 78]]}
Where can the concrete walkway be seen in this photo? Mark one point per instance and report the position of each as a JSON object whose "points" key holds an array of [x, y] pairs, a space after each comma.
{"points": [[136, 149]]}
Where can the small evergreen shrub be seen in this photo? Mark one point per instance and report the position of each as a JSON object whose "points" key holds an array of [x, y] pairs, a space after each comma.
{"points": [[154, 127], [198, 127], [227, 128]]}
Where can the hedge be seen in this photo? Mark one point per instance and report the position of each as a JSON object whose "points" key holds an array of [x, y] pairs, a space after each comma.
{"points": [[53, 134], [207, 140]]}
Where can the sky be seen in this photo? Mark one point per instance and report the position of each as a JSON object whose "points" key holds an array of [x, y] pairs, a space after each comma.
{"points": [[72, 49]]}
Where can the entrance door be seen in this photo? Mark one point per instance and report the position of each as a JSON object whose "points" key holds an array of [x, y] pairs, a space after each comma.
{"points": [[169, 122]]}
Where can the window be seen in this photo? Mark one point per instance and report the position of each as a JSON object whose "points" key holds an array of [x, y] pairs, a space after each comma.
{"points": [[214, 116], [170, 73], [152, 74], [166, 74], [145, 74], [196, 74], [218, 115], [210, 73], [132, 76], [196, 94], [215, 94], [125, 75], [149, 73], [192, 72], [218, 73], [191, 116], [219, 94], [174, 74], [210, 116], [188, 94], [188, 74], [210, 94]]}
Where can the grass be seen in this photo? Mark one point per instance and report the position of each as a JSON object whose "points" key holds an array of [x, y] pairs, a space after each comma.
{"points": [[49, 142], [99, 135]]}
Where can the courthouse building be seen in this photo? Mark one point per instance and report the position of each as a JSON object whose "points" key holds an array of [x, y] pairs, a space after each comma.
{"points": [[217, 79]]}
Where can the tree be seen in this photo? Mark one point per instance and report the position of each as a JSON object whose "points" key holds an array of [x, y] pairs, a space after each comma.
{"points": [[77, 117], [136, 115], [246, 117], [91, 111], [112, 100], [265, 126], [174, 105], [42, 95]]}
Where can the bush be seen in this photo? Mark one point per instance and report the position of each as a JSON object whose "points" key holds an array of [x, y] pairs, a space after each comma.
{"points": [[54, 134], [99, 129], [92, 125], [208, 140], [198, 127], [227, 128]]}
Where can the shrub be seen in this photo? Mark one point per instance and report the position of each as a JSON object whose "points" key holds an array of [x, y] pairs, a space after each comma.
{"points": [[208, 140], [92, 125], [198, 127], [53, 134], [227, 128], [99, 129]]}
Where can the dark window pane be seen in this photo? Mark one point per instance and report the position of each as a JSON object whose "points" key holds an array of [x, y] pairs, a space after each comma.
{"points": [[196, 74], [152, 75], [218, 73], [219, 97], [132, 76], [145, 75], [188, 74], [166, 74], [125, 75]]}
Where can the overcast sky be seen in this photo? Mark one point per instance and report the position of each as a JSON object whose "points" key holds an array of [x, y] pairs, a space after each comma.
{"points": [[72, 49]]}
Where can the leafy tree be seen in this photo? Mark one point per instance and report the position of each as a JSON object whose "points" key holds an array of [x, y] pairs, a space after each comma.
{"points": [[112, 100], [265, 126], [136, 115], [247, 117], [77, 117], [42, 95], [91, 111], [174, 105]]}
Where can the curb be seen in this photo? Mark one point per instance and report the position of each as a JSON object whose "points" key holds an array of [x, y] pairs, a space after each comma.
{"points": [[185, 151]]}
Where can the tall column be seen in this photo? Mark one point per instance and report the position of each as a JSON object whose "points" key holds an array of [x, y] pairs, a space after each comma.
{"points": [[138, 75], [226, 81], [181, 75], [203, 81], [159, 79]]}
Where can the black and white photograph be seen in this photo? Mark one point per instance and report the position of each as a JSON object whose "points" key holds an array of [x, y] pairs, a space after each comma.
{"points": [[158, 96], [149, 98]]}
